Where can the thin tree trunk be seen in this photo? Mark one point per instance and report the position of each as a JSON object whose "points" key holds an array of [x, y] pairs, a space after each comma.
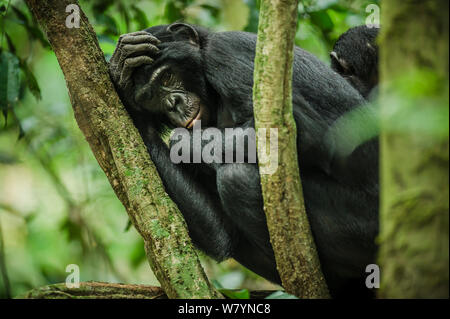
{"points": [[290, 234], [414, 243], [121, 153]]}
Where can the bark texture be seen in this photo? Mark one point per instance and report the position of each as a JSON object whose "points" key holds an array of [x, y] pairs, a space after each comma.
{"points": [[290, 233], [95, 290], [414, 243], [121, 153]]}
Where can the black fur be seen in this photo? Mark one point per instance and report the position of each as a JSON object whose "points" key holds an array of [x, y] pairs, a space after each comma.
{"points": [[355, 57], [222, 203]]}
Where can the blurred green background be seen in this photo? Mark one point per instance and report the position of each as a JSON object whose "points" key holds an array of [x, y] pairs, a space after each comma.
{"points": [[56, 205]]}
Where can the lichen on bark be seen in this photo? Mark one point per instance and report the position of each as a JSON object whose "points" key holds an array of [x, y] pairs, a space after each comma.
{"points": [[290, 233], [121, 153], [414, 212]]}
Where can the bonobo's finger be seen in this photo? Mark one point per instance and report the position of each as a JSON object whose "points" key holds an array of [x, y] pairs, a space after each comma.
{"points": [[131, 50], [134, 37], [131, 45], [142, 38], [128, 67]]}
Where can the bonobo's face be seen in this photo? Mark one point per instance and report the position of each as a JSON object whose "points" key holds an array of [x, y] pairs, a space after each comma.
{"points": [[166, 94]]}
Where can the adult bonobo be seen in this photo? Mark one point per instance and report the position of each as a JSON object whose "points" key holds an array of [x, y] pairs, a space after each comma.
{"points": [[174, 75]]}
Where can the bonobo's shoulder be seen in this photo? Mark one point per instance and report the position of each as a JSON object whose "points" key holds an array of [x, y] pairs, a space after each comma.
{"points": [[232, 42], [239, 35]]}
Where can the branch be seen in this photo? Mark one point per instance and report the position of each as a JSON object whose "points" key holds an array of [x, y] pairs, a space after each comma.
{"points": [[290, 234], [95, 290], [103, 290], [121, 153]]}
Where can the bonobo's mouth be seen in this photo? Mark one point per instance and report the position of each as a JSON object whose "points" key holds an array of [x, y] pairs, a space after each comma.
{"points": [[194, 119]]}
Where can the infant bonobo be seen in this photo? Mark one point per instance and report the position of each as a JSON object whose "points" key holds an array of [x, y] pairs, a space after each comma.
{"points": [[355, 57]]}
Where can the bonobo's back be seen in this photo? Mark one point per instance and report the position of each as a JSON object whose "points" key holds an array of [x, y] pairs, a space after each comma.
{"points": [[322, 87]]}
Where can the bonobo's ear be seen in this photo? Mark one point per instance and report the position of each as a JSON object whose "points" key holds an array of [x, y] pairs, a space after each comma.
{"points": [[341, 64], [183, 32]]}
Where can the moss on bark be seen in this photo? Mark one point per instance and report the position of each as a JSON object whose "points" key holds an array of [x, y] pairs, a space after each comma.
{"points": [[414, 217], [290, 234]]}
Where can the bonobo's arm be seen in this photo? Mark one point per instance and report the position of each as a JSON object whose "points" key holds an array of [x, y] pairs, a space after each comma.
{"points": [[200, 206]]}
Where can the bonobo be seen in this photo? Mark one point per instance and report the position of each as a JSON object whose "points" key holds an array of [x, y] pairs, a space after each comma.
{"points": [[355, 57], [175, 75]]}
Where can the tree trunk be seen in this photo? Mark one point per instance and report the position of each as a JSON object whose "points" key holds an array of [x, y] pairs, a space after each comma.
{"points": [[414, 243], [121, 153], [290, 234]]}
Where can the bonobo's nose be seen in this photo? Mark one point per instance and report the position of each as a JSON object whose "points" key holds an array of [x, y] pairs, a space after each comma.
{"points": [[176, 102]]}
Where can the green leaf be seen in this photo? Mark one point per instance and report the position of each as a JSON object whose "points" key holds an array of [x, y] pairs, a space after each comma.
{"points": [[8, 159], [236, 294], [11, 46], [128, 226], [125, 14], [20, 15], [322, 20], [100, 6], [33, 31], [213, 8], [37, 34], [3, 7], [281, 295], [137, 253], [109, 23], [9, 80], [319, 5], [174, 10], [30, 80], [140, 17], [252, 25]]}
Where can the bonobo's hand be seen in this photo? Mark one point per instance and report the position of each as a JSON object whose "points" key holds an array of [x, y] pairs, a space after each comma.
{"points": [[133, 50]]}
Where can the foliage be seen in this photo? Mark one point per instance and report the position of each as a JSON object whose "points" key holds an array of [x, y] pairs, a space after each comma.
{"points": [[56, 206]]}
